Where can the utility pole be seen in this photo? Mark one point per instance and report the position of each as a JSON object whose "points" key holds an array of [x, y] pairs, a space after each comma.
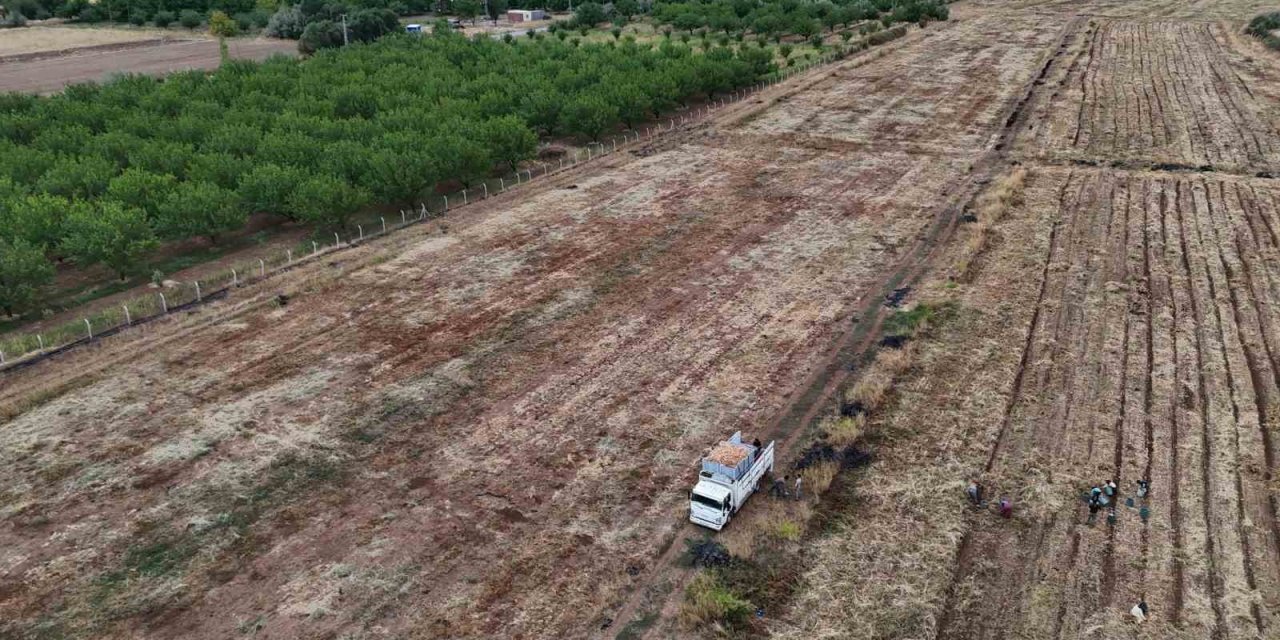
{"points": [[344, 30]]}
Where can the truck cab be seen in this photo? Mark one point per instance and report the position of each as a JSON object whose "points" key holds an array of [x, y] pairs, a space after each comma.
{"points": [[709, 505]]}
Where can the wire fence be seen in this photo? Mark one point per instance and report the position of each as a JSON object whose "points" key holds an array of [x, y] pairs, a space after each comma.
{"points": [[21, 350]]}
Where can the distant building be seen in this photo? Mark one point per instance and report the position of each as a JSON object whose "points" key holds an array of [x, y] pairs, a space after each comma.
{"points": [[526, 15]]}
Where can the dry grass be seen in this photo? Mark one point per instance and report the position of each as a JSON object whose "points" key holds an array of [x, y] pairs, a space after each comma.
{"points": [[871, 390], [895, 362], [990, 207], [844, 431], [818, 477], [878, 576], [708, 604]]}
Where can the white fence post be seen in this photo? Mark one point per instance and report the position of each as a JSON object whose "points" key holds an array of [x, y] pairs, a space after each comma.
{"points": [[336, 240], [446, 204], [562, 162], [464, 197], [164, 304], [402, 220], [289, 254], [235, 277], [503, 183], [486, 188], [588, 153], [88, 327], [530, 172], [384, 224], [315, 247], [360, 228], [40, 339], [128, 319], [197, 291], [262, 267], [424, 210], [1, 356]]}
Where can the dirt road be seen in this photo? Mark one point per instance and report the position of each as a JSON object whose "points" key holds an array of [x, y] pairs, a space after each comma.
{"points": [[48, 75]]}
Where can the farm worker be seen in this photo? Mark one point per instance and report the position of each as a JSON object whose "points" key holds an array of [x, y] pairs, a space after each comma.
{"points": [[974, 491], [1006, 508], [799, 479], [756, 443], [779, 488], [1095, 494], [1110, 488], [1139, 611], [1094, 508], [1143, 488]]}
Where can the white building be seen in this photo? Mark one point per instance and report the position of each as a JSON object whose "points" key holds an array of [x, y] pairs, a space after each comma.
{"points": [[526, 15]]}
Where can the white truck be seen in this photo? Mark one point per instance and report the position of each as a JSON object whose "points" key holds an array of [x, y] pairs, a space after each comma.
{"points": [[730, 473]]}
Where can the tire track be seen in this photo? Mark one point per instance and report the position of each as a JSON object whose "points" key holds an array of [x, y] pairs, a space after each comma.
{"points": [[1173, 480], [1256, 379], [1210, 546]]}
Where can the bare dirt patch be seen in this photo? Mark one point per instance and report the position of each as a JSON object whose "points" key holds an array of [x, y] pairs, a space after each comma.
{"points": [[40, 39], [48, 75]]}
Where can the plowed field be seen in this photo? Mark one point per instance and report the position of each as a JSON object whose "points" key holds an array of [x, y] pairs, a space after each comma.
{"points": [[1120, 325], [1161, 93]]}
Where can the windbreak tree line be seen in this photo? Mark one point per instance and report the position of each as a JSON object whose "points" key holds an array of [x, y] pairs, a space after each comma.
{"points": [[100, 174], [247, 14], [774, 19]]}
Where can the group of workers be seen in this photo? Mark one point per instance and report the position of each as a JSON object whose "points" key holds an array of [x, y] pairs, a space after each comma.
{"points": [[974, 492], [1099, 497]]}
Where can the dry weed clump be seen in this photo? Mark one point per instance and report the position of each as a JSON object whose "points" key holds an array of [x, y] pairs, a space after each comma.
{"points": [[870, 392], [818, 477], [845, 430], [990, 207], [740, 540], [708, 603], [895, 362]]}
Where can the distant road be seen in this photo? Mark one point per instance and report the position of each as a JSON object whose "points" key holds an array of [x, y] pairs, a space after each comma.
{"points": [[49, 75]]}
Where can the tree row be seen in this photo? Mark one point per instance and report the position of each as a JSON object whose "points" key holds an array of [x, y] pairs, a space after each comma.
{"points": [[103, 173]]}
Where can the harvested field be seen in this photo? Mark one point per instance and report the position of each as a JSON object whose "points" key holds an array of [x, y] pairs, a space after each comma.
{"points": [[1153, 306], [926, 98], [466, 430], [50, 74], [1118, 324], [1149, 353], [1161, 93], [1234, 10], [36, 39]]}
